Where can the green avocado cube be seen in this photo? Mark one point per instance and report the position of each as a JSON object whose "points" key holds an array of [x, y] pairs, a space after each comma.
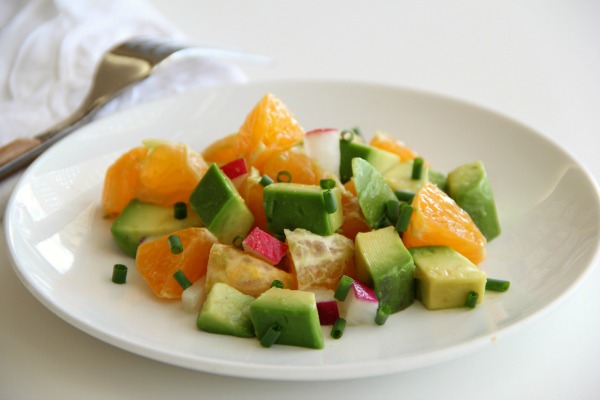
{"points": [[399, 177], [444, 277], [294, 311], [384, 263], [226, 311], [294, 205], [218, 204], [372, 190], [380, 159]]}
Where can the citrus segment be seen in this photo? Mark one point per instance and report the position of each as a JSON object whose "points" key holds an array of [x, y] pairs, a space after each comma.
{"points": [[122, 181], [438, 221], [385, 141], [354, 220], [223, 150], [157, 264], [253, 194], [301, 167]]}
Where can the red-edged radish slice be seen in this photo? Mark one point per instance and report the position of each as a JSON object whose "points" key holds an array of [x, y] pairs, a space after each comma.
{"points": [[264, 246], [323, 145], [327, 306], [360, 305], [193, 297], [236, 170]]}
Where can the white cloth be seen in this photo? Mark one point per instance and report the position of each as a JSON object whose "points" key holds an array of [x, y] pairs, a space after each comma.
{"points": [[49, 50]]}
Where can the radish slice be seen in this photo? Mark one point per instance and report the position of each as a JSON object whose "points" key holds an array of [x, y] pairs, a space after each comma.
{"points": [[360, 305], [264, 246], [327, 306], [193, 297], [236, 170], [323, 145]]}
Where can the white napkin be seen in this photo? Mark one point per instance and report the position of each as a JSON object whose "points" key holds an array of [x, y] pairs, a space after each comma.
{"points": [[49, 50]]}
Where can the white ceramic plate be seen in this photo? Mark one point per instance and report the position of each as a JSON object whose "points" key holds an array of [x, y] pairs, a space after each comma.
{"points": [[548, 206]]}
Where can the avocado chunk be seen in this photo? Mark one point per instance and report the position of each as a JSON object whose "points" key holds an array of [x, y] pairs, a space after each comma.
{"points": [[399, 177], [438, 178], [220, 207], [444, 277], [372, 190], [469, 186], [294, 205], [294, 311], [226, 311], [380, 159], [140, 220], [383, 263]]}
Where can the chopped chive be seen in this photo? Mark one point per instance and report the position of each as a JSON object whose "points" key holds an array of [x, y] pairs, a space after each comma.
{"points": [[265, 180], [277, 283], [404, 217], [119, 274], [284, 176], [404, 195], [383, 312], [497, 285], [417, 168], [175, 244], [383, 222], [338, 328], [271, 336], [343, 287], [392, 210], [327, 183], [347, 135], [180, 210], [472, 299], [357, 131], [183, 280], [330, 202], [237, 242]]}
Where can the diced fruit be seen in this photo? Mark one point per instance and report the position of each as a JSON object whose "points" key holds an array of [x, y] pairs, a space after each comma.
{"points": [[226, 311], [253, 194], [385, 141], [292, 205], [142, 220], [354, 220], [264, 246], [318, 262], [223, 150], [323, 146], [246, 273], [235, 170], [381, 160], [383, 263], [294, 311], [360, 305], [193, 297], [469, 186], [220, 207], [327, 306], [438, 179], [299, 165], [373, 192], [399, 177], [438, 221], [121, 181], [157, 264], [444, 277]]}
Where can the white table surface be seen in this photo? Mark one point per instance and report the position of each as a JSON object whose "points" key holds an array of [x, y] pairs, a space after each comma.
{"points": [[535, 61]]}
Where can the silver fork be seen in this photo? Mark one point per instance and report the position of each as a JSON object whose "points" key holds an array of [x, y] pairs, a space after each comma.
{"points": [[121, 67]]}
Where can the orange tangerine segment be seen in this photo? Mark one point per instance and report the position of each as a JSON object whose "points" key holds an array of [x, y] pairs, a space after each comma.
{"points": [[354, 220], [385, 141], [121, 181], [302, 168], [169, 173], [223, 150], [253, 194], [157, 264], [438, 221]]}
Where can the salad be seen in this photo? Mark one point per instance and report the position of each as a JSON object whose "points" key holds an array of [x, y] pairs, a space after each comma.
{"points": [[273, 232]]}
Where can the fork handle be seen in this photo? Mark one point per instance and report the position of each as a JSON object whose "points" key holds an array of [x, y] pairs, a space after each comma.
{"points": [[16, 148]]}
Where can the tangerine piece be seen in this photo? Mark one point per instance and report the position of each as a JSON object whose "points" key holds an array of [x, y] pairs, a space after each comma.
{"points": [[302, 168], [169, 173], [438, 221], [223, 150], [387, 142], [354, 220], [157, 264], [253, 194], [269, 128], [122, 181]]}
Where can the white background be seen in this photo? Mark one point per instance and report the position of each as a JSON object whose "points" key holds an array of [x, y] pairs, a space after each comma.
{"points": [[535, 61]]}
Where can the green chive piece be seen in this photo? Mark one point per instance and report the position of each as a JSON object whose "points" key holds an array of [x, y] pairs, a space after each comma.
{"points": [[357, 131], [417, 168], [406, 211], [265, 180], [183, 280], [338, 328], [119, 275], [327, 183], [497, 285], [180, 210], [341, 291], [238, 242], [284, 176], [271, 336], [404, 195], [472, 299], [330, 202], [175, 244], [392, 210], [383, 312], [277, 283], [347, 135]]}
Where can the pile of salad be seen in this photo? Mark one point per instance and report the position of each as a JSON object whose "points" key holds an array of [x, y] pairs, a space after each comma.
{"points": [[283, 235]]}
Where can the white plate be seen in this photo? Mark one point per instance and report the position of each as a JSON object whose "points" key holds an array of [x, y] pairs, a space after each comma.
{"points": [[548, 205]]}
